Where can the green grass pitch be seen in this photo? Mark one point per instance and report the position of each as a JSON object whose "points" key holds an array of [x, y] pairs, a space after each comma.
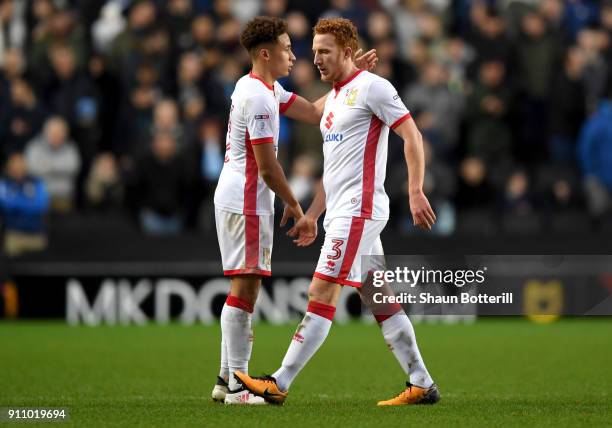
{"points": [[496, 372]]}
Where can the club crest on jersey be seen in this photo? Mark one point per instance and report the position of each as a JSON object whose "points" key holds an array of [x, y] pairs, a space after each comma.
{"points": [[333, 138], [351, 97]]}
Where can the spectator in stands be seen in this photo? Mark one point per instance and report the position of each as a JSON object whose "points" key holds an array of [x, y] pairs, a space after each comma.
{"points": [[561, 199], [202, 34], [190, 94], [160, 187], [475, 190], [595, 154], [109, 89], [21, 118], [13, 68], [166, 120], [141, 19], [440, 108], [24, 202], [178, 15], [537, 53], [104, 190], [488, 37], [54, 158], [136, 119], [567, 107], [300, 33], [12, 27], [61, 28], [592, 43], [553, 12], [72, 95], [456, 56], [487, 112], [517, 197], [303, 178]]}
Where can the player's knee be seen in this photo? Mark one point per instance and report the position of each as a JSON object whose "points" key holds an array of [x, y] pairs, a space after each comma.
{"points": [[245, 288], [323, 292]]}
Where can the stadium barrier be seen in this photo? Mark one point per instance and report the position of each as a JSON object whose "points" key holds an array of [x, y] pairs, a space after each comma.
{"points": [[115, 293]]}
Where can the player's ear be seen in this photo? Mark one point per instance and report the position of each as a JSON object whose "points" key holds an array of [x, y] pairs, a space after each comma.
{"points": [[264, 54], [348, 53]]}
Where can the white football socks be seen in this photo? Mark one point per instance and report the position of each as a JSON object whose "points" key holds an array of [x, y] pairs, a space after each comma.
{"points": [[308, 338], [399, 335], [238, 336], [224, 370]]}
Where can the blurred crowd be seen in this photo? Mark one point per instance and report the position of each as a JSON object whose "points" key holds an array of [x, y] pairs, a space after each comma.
{"points": [[120, 106]]}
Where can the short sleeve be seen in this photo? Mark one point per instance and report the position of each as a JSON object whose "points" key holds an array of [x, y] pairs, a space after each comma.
{"points": [[386, 104], [259, 113], [285, 99]]}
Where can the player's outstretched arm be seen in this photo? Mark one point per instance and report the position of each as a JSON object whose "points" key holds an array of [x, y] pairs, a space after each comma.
{"points": [[303, 110], [422, 214]]}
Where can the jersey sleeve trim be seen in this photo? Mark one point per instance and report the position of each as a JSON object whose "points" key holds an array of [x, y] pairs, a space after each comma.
{"points": [[401, 120], [262, 140], [285, 106]]}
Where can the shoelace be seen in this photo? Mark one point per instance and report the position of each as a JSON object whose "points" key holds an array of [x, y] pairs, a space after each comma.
{"points": [[405, 394], [267, 379]]}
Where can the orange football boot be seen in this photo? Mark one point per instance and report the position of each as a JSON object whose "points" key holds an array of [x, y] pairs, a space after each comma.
{"points": [[264, 386], [414, 395]]}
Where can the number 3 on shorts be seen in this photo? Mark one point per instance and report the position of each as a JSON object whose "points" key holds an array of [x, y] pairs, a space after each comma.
{"points": [[336, 248]]}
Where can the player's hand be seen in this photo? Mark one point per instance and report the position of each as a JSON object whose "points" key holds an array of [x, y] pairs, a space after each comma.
{"points": [[296, 213], [305, 230], [422, 214], [367, 61]]}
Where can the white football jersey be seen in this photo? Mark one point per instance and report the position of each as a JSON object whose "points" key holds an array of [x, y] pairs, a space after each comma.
{"points": [[254, 119], [355, 126]]}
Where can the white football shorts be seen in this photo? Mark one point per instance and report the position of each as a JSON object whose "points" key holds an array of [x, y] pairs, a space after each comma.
{"points": [[245, 242], [349, 243]]}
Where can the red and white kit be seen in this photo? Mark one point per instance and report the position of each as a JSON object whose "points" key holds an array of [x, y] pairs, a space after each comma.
{"points": [[244, 205], [355, 125]]}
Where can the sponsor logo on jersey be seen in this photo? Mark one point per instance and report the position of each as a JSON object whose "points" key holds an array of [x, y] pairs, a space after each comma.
{"points": [[396, 97], [330, 138], [351, 97], [328, 120], [262, 116]]}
